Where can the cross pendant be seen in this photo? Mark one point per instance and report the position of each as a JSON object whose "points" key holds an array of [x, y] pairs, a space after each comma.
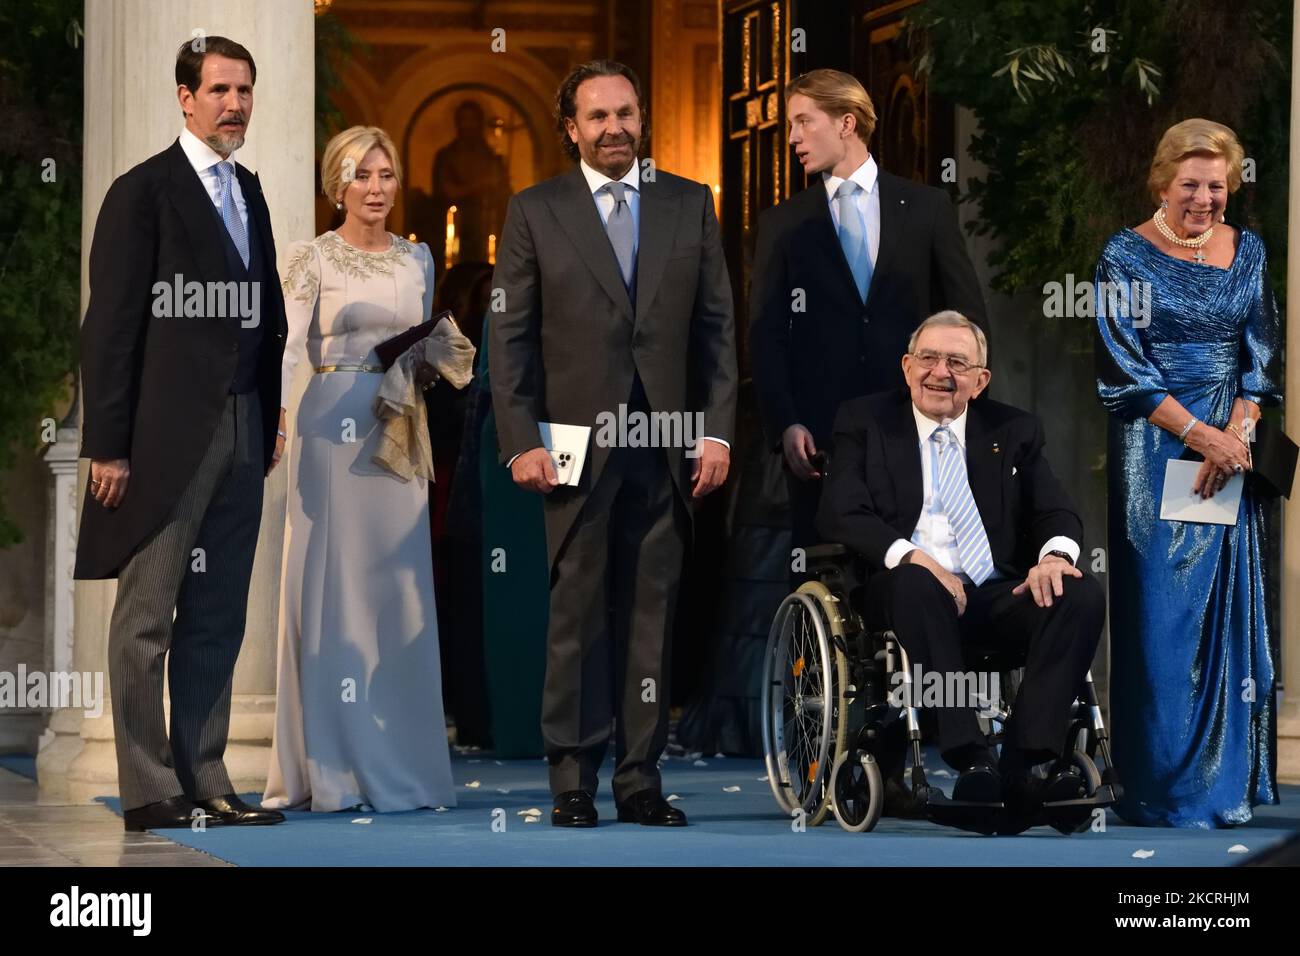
{"points": [[1200, 256]]}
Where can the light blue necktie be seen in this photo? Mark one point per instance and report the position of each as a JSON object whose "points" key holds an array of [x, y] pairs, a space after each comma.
{"points": [[853, 236], [622, 232], [952, 489], [230, 212]]}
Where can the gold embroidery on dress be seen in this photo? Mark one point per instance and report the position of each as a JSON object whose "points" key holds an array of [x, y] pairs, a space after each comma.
{"points": [[358, 263], [300, 278]]}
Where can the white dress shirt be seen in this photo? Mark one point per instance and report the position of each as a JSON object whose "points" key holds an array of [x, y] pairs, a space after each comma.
{"points": [[204, 159], [867, 200], [605, 199], [933, 533]]}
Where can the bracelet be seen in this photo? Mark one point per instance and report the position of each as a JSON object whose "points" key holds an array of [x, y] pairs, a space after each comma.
{"points": [[1187, 429], [282, 434]]}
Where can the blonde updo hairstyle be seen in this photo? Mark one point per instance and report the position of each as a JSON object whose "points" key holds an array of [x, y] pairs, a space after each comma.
{"points": [[345, 152], [1194, 137]]}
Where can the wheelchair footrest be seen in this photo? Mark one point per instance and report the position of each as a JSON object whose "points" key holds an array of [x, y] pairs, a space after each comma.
{"points": [[962, 814], [1104, 797]]}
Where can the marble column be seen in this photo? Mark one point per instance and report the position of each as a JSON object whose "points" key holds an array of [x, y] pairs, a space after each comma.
{"points": [[61, 742], [1288, 731], [131, 113]]}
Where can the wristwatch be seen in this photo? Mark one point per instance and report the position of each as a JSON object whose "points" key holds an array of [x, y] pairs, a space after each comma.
{"points": [[1062, 554]]}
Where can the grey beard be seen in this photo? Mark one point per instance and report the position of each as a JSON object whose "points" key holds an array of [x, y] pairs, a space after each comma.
{"points": [[225, 144]]}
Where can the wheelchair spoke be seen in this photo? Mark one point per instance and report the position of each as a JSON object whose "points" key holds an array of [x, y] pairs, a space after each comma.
{"points": [[801, 704]]}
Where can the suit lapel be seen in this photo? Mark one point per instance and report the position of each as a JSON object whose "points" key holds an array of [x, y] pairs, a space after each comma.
{"points": [[658, 220], [257, 211], [893, 212], [191, 200], [575, 210], [983, 467], [260, 213], [903, 457]]}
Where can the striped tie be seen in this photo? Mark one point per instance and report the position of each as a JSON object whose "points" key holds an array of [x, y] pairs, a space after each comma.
{"points": [[229, 213], [952, 489]]}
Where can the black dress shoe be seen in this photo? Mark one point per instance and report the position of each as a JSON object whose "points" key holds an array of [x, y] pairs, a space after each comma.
{"points": [[1022, 797], [233, 812], [650, 809], [574, 808], [174, 813], [978, 784]]}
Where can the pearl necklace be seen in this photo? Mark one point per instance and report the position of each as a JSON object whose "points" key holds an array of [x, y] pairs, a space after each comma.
{"points": [[1162, 227]]}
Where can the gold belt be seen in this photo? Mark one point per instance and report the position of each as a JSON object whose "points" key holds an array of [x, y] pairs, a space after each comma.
{"points": [[350, 368]]}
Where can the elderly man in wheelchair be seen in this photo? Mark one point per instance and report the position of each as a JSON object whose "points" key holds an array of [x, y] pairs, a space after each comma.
{"points": [[955, 560]]}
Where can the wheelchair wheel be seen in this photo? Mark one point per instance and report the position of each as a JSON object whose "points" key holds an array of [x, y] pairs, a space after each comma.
{"points": [[1068, 820], [1088, 770], [805, 716], [857, 791]]}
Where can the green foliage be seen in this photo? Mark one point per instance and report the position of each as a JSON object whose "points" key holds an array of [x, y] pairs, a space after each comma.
{"points": [[40, 222], [334, 45], [1071, 99]]}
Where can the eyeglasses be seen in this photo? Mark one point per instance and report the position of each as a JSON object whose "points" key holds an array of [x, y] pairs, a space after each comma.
{"points": [[956, 364]]}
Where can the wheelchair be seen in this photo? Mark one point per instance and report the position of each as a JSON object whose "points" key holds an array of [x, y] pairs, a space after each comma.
{"points": [[829, 721]]}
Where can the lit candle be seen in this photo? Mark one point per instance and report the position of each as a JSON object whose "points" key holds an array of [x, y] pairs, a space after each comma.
{"points": [[452, 245], [492, 249]]}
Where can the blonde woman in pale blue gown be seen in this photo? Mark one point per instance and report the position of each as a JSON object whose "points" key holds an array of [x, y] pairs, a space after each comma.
{"points": [[359, 718]]}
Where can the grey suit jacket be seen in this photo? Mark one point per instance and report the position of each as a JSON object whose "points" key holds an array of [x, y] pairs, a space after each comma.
{"points": [[565, 342]]}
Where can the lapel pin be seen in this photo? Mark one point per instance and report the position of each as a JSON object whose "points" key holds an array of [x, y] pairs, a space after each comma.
{"points": [[996, 449]]}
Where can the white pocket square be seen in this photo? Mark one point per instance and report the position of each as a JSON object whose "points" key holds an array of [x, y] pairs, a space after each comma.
{"points": [[1013, 471]]}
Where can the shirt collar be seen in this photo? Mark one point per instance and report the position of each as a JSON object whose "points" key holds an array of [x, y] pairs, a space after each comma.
{"points": [[925, 426], [597, 180], [865, 176], [201, 156]]}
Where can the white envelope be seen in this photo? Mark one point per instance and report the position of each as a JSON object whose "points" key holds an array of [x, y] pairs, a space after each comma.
{"points": [[1179, 504], [568, 447]]}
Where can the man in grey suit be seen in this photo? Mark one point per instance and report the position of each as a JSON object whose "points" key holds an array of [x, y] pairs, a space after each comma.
{"points": [[611, 299], [180, 375]]}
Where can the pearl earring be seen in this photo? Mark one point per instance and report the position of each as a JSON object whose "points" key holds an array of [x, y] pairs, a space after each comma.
{"points": [[338, 205]]}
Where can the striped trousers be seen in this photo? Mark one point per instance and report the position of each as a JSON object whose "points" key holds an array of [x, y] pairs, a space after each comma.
{"points": [[182, 601]]}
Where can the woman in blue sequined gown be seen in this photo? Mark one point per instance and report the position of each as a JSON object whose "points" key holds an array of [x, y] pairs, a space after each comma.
{"points": [[1192, 696]]}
